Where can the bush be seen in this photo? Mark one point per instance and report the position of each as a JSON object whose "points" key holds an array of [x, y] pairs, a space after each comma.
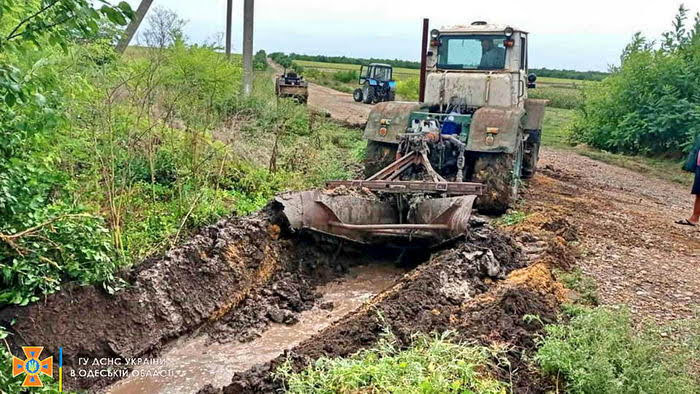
{"points": [[345, 76], [601, 351], [408, 89], [430, 365], [650, 104]]}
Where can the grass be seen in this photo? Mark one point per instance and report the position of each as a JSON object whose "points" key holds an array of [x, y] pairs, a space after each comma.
{"points": [[585, 286], [430, 365], [557, 129], [602, 351]]}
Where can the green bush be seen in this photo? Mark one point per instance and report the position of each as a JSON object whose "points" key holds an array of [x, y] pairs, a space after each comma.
{"points": [[430, 365], [601, 351], [649, 105], [345, 76], [408, 89]]}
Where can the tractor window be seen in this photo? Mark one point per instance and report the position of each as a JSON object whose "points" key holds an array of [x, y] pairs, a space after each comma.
{"points": [[382, 73], [473, 52]]}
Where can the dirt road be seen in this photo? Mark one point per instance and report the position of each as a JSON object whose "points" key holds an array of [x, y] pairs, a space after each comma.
{"points": [[628, 240], [338, 105], [629, 243]]}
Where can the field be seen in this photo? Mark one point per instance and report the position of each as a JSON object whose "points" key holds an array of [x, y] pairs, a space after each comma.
{"points": [[562, 93]]}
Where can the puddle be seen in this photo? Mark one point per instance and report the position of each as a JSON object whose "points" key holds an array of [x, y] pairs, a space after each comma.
{"points": [[191, 364]]}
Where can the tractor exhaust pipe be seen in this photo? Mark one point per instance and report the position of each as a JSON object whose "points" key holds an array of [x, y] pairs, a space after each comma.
{"points": [[423, 61]]}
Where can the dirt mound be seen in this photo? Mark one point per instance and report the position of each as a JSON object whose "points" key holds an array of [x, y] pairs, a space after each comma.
{"points": [[430, 298]]}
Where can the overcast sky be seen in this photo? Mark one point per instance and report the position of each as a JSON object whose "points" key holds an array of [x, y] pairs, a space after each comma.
{"points": [[580, 35]]}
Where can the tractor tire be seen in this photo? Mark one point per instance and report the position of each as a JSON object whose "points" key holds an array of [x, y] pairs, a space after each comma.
{"points": [[368, 94], [501, 174], [391, 96], [531, 154], [357, 95], [378, 155]]}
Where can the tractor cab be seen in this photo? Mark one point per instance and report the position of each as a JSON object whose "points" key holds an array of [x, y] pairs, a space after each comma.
{"points": [[376, 83], [478, 65]]}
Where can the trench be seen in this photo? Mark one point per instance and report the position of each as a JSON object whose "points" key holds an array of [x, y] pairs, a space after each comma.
{"points": [[193, 362]]}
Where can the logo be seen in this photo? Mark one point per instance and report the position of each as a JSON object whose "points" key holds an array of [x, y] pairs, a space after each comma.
{"points": [[32, 366]]}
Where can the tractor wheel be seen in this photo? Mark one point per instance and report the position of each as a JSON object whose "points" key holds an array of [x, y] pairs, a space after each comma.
{"points": [[391, 96], [531, 154], [500, 173], [367, 94], [378, 156], [357, 95]]}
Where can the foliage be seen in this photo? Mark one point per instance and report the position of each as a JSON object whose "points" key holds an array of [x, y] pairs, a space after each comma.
{"points": [[584, 285], [512, 218], [600, 351], [430, 365], [260, 60], [650, 104], [46, 237], [569, 74], [345, 76], [286, 61], [408, 88]]}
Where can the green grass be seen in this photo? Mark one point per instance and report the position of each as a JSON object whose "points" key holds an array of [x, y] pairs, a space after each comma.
{"points": [[430, 365], [602, 350], [555, 134]]}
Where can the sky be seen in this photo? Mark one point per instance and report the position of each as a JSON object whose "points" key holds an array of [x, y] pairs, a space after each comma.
{"points": [[579, 35]]}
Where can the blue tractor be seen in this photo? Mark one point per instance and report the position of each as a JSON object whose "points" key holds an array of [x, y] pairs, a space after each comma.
{"points": [[376, 84]]}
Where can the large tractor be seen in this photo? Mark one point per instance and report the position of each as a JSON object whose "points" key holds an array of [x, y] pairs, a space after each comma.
{"points": [[377, 84], [469, 142]]}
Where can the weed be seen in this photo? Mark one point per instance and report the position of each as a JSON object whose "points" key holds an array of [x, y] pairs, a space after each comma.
{"points": [[584, 285], [429, 365], [512, 218], [601, 351]]}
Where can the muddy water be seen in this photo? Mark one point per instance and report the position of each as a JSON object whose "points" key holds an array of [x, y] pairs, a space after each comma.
{"points": [[190, 364]]}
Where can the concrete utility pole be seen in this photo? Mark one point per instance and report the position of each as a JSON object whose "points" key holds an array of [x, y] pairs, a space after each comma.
{"points": [[248, 7], [133, 25], [229, 12]]}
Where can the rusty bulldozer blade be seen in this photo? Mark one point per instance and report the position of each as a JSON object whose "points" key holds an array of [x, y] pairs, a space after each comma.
{"points": [[367, 221], [416, 212]]}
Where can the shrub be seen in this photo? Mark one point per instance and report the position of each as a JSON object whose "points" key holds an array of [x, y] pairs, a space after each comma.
{"points": [[600, 351], [430, 365], [649, 105], [345, 76], [408, 88]]}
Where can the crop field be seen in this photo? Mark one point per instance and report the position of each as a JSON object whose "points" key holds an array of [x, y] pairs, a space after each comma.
{"points": [[562, 93]]}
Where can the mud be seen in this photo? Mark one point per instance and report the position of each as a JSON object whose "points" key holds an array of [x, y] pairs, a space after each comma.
{"points": [[240, 273], [452, 290], [199, 362]]}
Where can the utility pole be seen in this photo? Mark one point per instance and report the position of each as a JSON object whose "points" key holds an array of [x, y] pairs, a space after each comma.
{"points": [[248, 7], [229, 12], [133, 25]]}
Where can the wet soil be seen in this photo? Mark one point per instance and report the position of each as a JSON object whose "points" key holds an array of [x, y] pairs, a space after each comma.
{"points": [[200, 361], [232, 279], [467, 288]]}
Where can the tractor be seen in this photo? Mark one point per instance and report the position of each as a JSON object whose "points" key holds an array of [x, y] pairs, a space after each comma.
{"points": [[377, 84], [469, 143], [292, 85]]}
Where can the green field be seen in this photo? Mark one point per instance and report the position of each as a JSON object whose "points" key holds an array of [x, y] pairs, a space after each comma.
{"points": [[562, 93]]}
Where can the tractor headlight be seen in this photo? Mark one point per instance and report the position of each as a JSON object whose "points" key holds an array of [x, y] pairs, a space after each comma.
{"points": [[508, 32], [434, 34]]}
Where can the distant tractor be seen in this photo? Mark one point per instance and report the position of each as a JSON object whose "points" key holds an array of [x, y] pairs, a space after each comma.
{"points": [[291, 85], [376, 84]]}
